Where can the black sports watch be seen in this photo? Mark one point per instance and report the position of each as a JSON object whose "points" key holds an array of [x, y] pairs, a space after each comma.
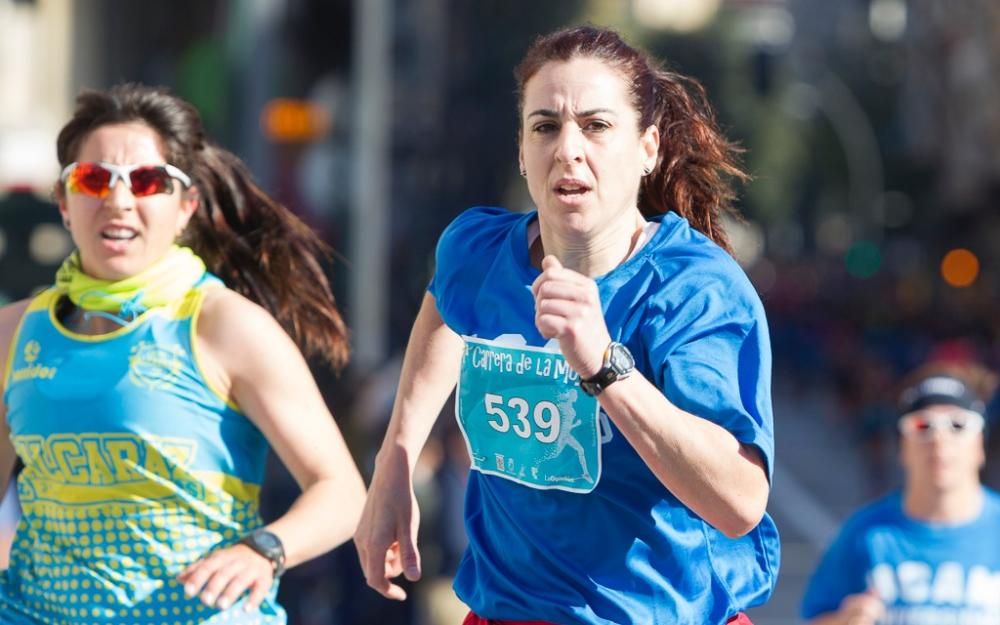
{"points": [[268, 545], [618, 364]]}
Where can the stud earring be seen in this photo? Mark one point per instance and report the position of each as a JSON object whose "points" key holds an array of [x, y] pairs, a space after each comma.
{"points": [[647, 170], [524, 173]]}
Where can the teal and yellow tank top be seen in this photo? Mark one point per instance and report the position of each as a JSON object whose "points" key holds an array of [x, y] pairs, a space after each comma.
{"points": [[134, 467]]}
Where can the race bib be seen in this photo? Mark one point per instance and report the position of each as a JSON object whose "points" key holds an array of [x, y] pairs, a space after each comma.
{"points": [[525, 417]]}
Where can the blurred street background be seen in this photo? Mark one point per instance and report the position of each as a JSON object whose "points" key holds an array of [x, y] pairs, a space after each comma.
{"points": [[871, 127]]}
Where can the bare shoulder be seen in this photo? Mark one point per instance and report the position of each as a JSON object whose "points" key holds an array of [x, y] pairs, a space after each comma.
{"points": [[11, 314], [226, 311], [10, 317], [233, 327], [248, 355]]}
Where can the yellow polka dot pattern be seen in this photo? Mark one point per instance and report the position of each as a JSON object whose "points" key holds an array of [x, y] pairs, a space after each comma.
{"points": [[117, 563]]}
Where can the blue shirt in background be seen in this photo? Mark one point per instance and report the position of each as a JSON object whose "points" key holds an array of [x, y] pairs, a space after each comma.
{"points": [[925, 573]]}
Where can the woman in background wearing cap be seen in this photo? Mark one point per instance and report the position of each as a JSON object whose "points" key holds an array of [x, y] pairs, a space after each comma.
{"points": [[930, 553]]}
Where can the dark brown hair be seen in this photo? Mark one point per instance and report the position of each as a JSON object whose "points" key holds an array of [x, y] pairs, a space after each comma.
{"points": [[255, 245], [696, 163]]}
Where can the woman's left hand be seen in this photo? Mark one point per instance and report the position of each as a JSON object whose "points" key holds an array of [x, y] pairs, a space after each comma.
{"points": [[221, 577], [568, 308]]}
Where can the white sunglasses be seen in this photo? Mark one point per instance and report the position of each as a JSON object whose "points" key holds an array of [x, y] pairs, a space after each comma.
{"points": [[958, 422], [97, 179]]}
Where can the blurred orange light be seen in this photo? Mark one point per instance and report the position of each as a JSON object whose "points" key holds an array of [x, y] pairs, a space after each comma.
{"points": [[960, 267], [290, 121]]}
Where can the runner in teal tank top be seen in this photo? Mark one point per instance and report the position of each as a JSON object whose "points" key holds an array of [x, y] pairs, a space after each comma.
{"points": [[141, 393]]}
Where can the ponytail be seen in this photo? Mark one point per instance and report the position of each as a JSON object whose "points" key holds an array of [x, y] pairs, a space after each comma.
{"points": [[262, 250], [696, 164]]}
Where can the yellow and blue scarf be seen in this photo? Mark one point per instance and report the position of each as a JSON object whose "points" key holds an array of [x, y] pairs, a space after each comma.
{"points": [[123, 300]]}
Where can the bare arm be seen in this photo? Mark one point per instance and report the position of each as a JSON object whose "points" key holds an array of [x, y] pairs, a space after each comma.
{"points": [[387, 535], [249, 355], [430, 372], [702, 464], [7, 460], [7, 455], [722, 480], [10, 317]]}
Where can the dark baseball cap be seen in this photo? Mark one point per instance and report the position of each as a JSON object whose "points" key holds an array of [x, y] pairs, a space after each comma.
{"points": [[939, 389]]}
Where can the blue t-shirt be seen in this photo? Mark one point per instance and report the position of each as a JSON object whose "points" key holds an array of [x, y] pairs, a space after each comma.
{"points": [[925, 573], [623, 550]]}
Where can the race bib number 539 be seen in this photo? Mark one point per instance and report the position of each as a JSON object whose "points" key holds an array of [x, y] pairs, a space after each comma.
{"points": [[525, 418]]}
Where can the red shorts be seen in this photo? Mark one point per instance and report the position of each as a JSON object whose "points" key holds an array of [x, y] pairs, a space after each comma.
{"points": [[475, 619]]}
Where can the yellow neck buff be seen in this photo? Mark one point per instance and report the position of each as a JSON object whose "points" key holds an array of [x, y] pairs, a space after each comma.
{"points": [[163, 283]]}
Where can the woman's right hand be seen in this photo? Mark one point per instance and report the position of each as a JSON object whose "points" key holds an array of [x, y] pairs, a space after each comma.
{"points": [[386, 538]]}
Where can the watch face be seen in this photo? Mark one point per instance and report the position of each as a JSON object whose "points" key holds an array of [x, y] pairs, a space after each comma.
{"points": [[620, 359], [267, 540], [268, 545]]}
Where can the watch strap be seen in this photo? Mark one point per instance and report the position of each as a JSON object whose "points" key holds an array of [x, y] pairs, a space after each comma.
{"points": [[609, 373], [268, 545]]}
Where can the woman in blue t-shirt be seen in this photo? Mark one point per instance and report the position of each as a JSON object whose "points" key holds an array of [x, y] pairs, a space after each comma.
{"points": [[931, 552], [612, 366]]}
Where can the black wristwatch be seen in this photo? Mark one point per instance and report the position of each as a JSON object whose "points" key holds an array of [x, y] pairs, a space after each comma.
{"points": [[268, 545], [618, 364]]}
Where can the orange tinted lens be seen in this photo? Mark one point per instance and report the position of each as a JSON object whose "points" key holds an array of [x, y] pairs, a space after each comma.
{"points": [[149, 181], [90, 179]]}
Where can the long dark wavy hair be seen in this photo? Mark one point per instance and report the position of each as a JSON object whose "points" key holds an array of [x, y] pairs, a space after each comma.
{"points": [[696, 165], [254, 244]]}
